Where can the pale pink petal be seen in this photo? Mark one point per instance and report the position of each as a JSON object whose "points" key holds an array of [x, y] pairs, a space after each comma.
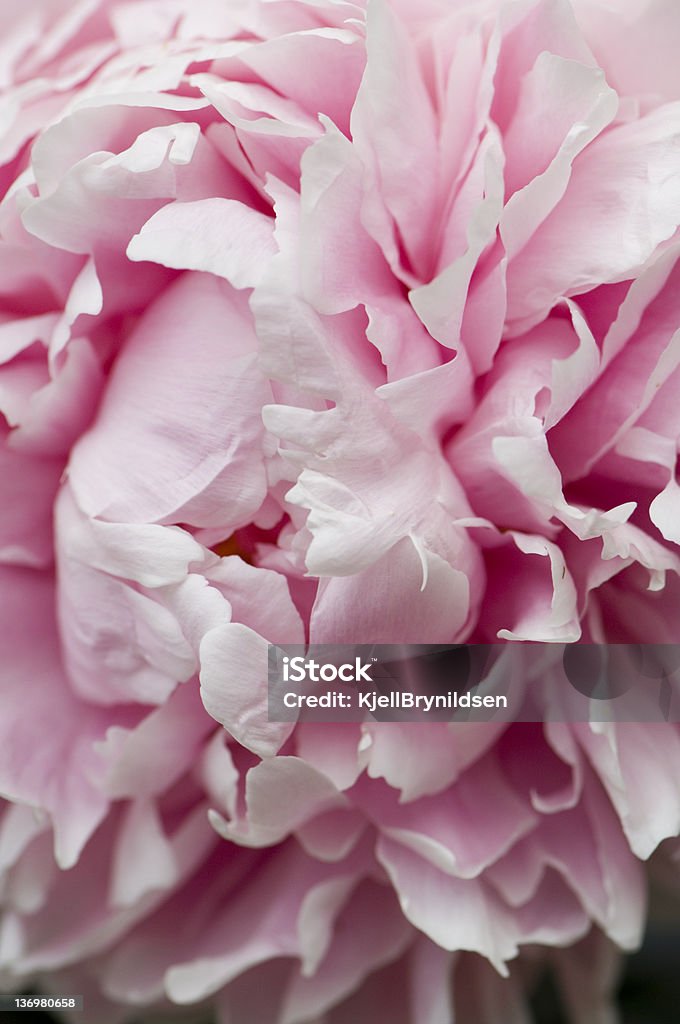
{"points": [[144, 859], [147, 758], [540, 146], [370, 932], [333, 59], [394, 752], [393, 126], [238, 698], [222, 952], [259, 598], [627, 177], [281, 794], [28, 487], [455, 913], [635, 43], [370, 606], [151, 470], [60, 776], [459, 831], [440, 303], [634, 759], [219, 236]]}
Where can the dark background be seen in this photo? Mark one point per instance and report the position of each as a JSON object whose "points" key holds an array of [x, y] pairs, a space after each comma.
{"points": [[650, 989]]}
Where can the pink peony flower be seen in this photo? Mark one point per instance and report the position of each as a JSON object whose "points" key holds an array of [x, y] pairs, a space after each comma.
{"points": [[343, 321]]}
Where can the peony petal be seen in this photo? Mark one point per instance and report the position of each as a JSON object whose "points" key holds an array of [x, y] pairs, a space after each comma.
{"points": [[133, 465], [371, 606], [454, 913], [218, 236], [370, 932], [393, 128], [60, 730], [537, 175], [144, 858], [282, 793], [627, 177], [238, 699]]}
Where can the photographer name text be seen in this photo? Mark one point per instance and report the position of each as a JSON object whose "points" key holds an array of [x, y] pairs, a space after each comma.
{"points": [[398, 699]]}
